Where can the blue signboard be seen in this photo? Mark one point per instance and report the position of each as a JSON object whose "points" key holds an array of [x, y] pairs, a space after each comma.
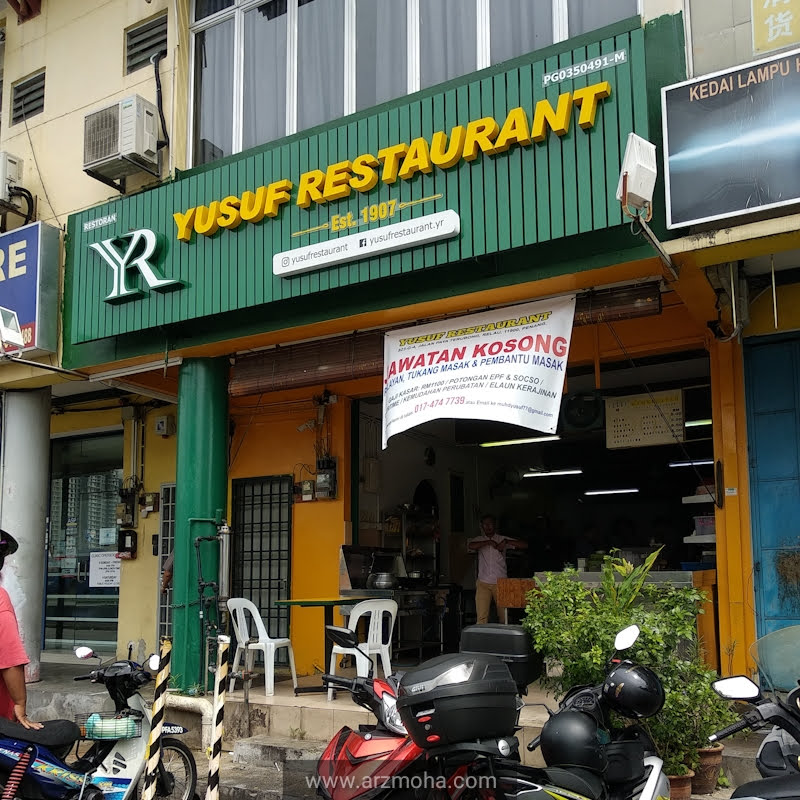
{"points": [[29, 284]]}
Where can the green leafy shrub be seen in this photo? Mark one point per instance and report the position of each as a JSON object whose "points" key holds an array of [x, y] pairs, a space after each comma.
{"points": [[692, 712], [573, 625]]}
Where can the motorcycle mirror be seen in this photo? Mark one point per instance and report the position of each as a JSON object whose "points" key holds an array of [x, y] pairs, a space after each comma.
{"points": [[348, 640], [84, 652], [738, 687], [344, 637], [626, 637], [154, 662]]}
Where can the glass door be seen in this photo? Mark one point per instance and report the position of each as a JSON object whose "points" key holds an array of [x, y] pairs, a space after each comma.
{"points": [[82, 572]]}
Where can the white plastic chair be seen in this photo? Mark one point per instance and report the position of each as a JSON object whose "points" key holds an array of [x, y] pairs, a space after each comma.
{"points": [[375, 645], [240, 608]]}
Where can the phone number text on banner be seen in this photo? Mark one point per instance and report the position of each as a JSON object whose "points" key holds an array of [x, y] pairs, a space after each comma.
{"points": [[507, 365]]}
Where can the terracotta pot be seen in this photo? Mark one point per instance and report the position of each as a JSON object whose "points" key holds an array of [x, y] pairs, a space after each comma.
{"points": [[680, 786], [707, 773]]}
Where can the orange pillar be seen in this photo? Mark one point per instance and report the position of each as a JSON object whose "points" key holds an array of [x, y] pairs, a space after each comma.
{"points": [[734, 541]]}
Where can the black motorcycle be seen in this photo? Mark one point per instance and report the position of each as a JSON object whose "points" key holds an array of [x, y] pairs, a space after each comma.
{"points": [[777, 759]]}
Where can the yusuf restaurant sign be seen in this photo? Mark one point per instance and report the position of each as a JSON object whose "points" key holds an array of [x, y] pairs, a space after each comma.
{"points": [[498, 160], [507, 365]]}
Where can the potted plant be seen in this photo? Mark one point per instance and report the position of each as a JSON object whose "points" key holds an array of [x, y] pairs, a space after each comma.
{"points": [[692, 711], [571, 624]]}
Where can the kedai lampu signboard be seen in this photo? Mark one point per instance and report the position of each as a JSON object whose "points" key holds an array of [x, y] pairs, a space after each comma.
{"points": [[29, 264], [506, 365], [732, 141]]}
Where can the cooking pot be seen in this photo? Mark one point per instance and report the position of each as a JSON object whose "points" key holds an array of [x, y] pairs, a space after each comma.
{"points": [[381, 580], [415, 574]]}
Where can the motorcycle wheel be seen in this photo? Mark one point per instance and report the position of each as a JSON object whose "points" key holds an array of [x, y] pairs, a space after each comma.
{"points": [[179, 762]]}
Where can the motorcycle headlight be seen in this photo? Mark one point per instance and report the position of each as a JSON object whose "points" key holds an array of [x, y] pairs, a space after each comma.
{"points": [[391, 716]]}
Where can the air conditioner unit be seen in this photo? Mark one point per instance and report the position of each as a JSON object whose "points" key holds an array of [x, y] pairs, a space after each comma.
{"points": [[10, 174], [121, 139]]}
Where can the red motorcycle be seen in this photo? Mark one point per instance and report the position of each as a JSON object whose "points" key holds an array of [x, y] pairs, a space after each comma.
{"points": [[421, 748]]}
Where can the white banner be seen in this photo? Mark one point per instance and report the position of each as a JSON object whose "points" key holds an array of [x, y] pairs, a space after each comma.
{"points": [[368, 243], [506, 365]]}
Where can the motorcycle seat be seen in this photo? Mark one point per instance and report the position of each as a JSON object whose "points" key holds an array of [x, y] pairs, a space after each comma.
{"points": [[55, 733], [577, 780], [786, 786]]}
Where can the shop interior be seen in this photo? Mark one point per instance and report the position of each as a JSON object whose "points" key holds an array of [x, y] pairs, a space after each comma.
{"points": [[570, 496]]}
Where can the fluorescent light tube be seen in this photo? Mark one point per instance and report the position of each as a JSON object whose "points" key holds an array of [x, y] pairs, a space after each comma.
{"points": [[611, 491], [553, 472], [701, 462], [696, 423], [520, 441]]}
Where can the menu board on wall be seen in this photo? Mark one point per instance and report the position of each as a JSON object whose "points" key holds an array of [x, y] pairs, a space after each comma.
{"points": [[642, 420]]}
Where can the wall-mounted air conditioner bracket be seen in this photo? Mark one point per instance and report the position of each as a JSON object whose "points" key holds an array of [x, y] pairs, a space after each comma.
{"points": [[119, 185]]}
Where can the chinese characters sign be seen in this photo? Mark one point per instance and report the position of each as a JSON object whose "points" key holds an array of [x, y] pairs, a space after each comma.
{"points": [[776, 24]]}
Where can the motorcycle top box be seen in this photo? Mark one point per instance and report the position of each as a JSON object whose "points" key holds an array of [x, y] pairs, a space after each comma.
{"points": [[511, 644], [458, 698]]}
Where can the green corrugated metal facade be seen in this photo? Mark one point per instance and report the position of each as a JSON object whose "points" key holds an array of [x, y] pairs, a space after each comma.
{"points": [[527, 195]]}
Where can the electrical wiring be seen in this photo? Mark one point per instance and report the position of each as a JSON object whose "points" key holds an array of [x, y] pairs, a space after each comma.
{"points": [[19, 191], [39, 173]]}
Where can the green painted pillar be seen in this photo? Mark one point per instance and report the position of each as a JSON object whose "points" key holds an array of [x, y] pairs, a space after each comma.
{"points": [[201, 479]]}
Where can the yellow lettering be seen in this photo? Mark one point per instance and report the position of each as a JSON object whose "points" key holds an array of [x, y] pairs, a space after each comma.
{"points": [[390, 156], [278, 193], [446, 155], [337, 185], [310, 188], [253, 205], [587, 98], [481, 134], [16, 257], [229, 215], [184, 223], [557, 119], [418, 159], [205, 219], [515, 130], [367, 177]]}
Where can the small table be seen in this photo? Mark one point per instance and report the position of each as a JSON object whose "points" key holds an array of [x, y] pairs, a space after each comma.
{"points": [[327, 604]]}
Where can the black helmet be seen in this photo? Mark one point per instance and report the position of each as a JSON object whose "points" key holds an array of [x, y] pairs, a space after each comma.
{"points": [[570, 739], [8, 544], [633, 691]]}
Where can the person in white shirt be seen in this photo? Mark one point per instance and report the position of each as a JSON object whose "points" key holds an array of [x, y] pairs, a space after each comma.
{"points": [[491, 549]]}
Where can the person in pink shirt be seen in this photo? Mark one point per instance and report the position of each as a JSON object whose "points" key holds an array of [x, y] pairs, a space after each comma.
{"points": [[491, 549], [13, 658]]}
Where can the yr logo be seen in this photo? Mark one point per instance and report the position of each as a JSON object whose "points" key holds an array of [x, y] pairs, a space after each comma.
{"points": [[139, 254]]}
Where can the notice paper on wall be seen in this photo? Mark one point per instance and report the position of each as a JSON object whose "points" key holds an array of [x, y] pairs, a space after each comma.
{"points": [[506, 365], [642, 420], [103, 570], [107, 537]]}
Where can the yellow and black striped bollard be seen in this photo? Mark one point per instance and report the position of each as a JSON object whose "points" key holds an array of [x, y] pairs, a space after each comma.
{"points": [[157, 723], [215, 751]]}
